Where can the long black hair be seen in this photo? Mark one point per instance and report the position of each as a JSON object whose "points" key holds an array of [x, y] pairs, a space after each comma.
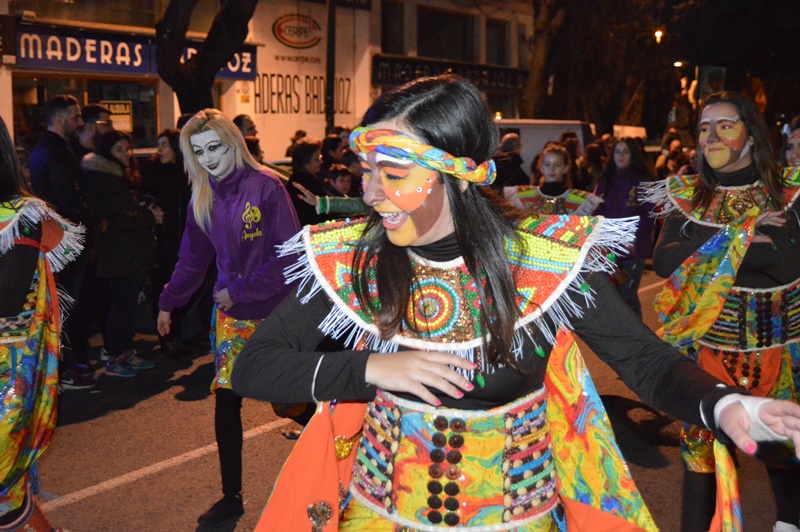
{"points": [[764, 163], [447, 112], [638, 164], [12, 180]]}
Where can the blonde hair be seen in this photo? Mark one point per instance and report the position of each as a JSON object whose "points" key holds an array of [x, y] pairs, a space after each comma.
{"points": [[202, 195]]}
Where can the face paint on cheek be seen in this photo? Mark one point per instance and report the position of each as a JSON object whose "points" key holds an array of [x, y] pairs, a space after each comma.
{"points": [[410, 193], [426, 216]]}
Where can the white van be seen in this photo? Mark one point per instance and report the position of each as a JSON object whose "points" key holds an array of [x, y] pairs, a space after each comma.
{"points": [[535, 133]]}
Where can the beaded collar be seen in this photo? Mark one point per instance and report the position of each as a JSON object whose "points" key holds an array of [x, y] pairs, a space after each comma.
{"points": [[550, 258], [728, 203]]}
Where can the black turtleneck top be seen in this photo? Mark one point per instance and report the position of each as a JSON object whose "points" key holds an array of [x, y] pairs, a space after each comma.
{"points": [[764, 265], [284, 358]]}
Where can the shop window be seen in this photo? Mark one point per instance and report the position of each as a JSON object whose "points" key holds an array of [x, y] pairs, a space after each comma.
{"points": [[445, 35], [31, 93], [496, 39], [392, 27]]}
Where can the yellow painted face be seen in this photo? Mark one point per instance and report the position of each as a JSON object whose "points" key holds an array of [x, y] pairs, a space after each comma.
{"points": [[724, 139], [410, 198]]}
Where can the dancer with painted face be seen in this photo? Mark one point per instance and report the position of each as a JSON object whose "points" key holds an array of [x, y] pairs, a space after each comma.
{"points": [[555, 194], [239, 212], [729, 246], [462, 399]]}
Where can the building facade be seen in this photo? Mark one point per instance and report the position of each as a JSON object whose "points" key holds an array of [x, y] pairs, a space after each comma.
{"points": [[104, 52]]}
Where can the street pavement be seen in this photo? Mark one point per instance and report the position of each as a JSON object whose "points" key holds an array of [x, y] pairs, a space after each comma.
{"points": [[140, 454]]}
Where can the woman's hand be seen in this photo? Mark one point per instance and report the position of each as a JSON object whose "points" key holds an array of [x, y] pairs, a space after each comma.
{"points": [[306, 195], [775, 219], [781, 417], [163, 322], [158, 213], [223, 300], [412, 371]]}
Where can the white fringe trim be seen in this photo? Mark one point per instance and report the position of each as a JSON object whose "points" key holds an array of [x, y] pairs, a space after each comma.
{"points": [[657, 193], [610, 236], [34, 211]]}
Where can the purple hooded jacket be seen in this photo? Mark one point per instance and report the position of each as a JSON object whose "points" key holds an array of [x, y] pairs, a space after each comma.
{"points": [[251, 215]]}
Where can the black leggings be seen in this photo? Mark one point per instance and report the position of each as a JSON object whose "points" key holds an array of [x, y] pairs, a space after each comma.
{"points": [[228, 429]]}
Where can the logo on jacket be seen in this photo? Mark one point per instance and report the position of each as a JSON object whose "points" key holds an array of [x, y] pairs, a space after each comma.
{"points": [[251, 215]]}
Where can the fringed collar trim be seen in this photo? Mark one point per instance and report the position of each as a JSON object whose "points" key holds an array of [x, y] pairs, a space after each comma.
{"points": [[62, 241], [677, 192], [552, 256]]}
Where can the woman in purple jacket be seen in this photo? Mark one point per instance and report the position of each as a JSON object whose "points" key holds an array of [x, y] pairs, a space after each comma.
{"points": [[618, 186], [238, 212]]}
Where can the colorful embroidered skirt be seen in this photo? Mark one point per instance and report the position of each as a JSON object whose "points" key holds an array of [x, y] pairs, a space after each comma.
{"points": [[228, 336], [422, 468], [752, 344]]}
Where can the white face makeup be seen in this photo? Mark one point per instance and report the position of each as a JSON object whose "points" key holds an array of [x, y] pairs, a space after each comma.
{"points": [[216, 158]]}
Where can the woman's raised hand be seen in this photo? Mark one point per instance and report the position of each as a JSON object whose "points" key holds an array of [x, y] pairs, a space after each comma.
{"points": [[306, 195], [415, 371]]}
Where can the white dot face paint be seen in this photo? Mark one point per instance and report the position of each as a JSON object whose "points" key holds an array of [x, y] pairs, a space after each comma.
{"points": [[215, 157]]}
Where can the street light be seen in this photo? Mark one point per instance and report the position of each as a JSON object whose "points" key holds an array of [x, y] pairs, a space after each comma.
{"points": [[658, 35], [678, 64]]}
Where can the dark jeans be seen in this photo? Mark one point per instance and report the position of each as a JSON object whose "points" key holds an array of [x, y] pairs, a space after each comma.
{"points": [[123, 295], [74, 334], [629, 289], [228, 429]]}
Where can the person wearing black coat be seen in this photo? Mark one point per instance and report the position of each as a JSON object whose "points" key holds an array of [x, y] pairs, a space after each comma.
{"points": [[126, 245], [164, 182]]}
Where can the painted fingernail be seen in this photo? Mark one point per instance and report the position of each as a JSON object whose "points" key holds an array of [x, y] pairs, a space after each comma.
{"points": [[460, 394], [473, 365], [750, 449], [469, 386], [438, 403]]}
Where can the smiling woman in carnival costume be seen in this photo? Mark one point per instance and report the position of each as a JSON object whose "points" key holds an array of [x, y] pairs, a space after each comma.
{"points": [[462, 399], [555, 194], [731, 299], [35, 242]]}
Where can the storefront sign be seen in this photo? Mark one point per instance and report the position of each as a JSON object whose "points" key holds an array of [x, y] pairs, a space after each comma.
{"points": [[55, 48], [390, 71], [297, 31], [287, 93], [121, 114]]}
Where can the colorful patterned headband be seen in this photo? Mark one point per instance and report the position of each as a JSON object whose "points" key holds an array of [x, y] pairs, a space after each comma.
{"points": [[401, 146]]}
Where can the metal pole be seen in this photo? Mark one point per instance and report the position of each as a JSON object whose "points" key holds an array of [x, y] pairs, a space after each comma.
{"points": [[330, 67]]}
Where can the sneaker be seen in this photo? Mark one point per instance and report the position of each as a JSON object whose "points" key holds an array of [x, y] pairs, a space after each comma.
{"points": [[103, 354], [118, 369], [130, 359], [223, 509], [84, 370], [72, 380]]}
